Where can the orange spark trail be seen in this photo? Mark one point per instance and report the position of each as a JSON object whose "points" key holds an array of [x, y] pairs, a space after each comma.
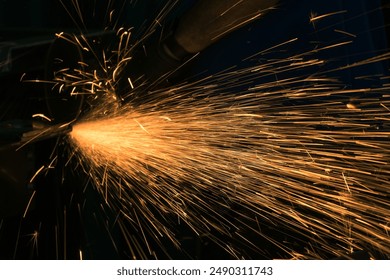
{"points": [[303, 155], [188, 154]]}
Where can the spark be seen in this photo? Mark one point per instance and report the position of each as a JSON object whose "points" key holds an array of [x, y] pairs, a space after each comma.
{"points": [[234, 163], [314, 17], [384, 106], [237, 25], [131, 84], [36, 173], [43, 116], [28, 204], [34, 237], [345, 32], [191, 154], [22, 77], [231, 7], [271, 48]]}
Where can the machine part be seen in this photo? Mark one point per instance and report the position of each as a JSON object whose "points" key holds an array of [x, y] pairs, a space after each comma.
{"points": [[208, 21], [16, 134], [201, 26], [42, 132]]}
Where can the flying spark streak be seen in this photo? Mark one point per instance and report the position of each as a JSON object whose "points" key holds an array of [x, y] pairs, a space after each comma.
{"points": [[28, 204], [230, 157], [37, 173], [43, 116], [198, 152], [345, 32], [315, 17], [34, 237]]}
